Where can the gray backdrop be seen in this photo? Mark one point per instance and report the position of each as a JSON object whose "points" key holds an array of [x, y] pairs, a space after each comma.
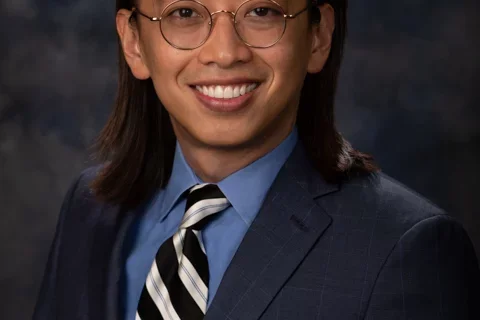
{"points": [[409, 95]]}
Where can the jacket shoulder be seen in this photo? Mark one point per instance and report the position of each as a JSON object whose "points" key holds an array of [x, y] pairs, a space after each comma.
{"points": [[382, 199], [80, 201], [82, 190], [84, 236]]}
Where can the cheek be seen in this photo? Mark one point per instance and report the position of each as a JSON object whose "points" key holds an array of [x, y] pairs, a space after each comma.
{"points": [[288, 66], [166, 65], [162, 63], [294, 51], [161, 59]]}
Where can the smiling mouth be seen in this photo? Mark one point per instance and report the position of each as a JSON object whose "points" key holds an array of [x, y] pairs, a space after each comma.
{"points": [[226, 92]]}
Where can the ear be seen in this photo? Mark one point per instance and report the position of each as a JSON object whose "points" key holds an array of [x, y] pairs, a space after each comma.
{"points": [[322, 39], [130, 41]]}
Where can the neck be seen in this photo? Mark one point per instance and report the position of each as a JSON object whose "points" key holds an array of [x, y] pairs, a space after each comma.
{"points": [[213, 164]]}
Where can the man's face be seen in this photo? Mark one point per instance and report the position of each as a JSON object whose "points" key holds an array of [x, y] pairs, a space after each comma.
{"points": [[224, 60]]}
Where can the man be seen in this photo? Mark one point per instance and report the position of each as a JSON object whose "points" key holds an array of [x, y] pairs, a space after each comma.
{"points": [[228, 193]]}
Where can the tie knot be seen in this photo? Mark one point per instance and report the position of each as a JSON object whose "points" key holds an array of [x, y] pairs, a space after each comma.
{"points": [[203, 201]]}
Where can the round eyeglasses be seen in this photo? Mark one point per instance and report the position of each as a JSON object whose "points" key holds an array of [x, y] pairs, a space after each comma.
{"points": [[187, 24]]}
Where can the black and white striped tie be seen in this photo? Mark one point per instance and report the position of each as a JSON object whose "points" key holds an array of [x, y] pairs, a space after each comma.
{"points": [[177, 284]]}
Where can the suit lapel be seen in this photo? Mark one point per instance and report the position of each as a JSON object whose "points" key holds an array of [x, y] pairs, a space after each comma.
{"points": [[284, 231], [116, 265], [106, 261]]}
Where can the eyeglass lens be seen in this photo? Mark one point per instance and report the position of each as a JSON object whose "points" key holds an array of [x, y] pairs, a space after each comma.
{"points": [[186, 24]]}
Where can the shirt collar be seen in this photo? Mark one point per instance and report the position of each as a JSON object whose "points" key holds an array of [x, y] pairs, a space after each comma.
{"points": [[245, 189], [181, 179]]}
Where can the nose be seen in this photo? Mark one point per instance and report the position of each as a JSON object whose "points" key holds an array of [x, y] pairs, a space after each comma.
{"points": [[224, 47]]}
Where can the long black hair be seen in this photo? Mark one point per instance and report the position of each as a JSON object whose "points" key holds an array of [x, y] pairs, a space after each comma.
{"points": [[138, 142]]}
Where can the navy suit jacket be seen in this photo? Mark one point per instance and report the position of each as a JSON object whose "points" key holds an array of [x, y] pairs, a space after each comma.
{"points": [[368, 248]]}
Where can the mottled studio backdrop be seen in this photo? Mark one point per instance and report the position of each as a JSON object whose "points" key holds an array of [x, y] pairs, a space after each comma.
{"points": [[409, 95]]}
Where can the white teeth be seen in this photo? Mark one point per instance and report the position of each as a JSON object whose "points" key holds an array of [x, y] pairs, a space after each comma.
{"points": [[219, 92], [243, 89], [226, 92], [236, 92]]}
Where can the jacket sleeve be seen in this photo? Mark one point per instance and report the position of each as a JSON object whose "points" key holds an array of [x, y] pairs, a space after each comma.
{"points": [[432, 273], [45, 306]]}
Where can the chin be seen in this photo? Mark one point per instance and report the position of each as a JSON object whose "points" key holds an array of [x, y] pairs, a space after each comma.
{"points": [[223, 133], [222, 139]]}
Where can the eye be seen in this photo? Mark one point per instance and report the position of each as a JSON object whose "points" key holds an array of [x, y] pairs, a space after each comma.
{"points": [[263, 12], [184, 13]]}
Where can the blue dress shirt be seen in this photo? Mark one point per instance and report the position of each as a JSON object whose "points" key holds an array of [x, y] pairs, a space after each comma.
{"points": [[245, 189]]}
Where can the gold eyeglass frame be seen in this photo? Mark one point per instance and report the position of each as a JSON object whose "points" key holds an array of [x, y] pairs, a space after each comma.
{"points": [[234, 14]]}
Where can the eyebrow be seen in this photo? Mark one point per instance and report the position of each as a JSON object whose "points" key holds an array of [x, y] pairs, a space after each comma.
{"points": [[165, 2], [285, 4]]}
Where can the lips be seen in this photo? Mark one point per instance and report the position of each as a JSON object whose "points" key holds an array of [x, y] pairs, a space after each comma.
{"points": [[226, 91], [224, 104]]}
